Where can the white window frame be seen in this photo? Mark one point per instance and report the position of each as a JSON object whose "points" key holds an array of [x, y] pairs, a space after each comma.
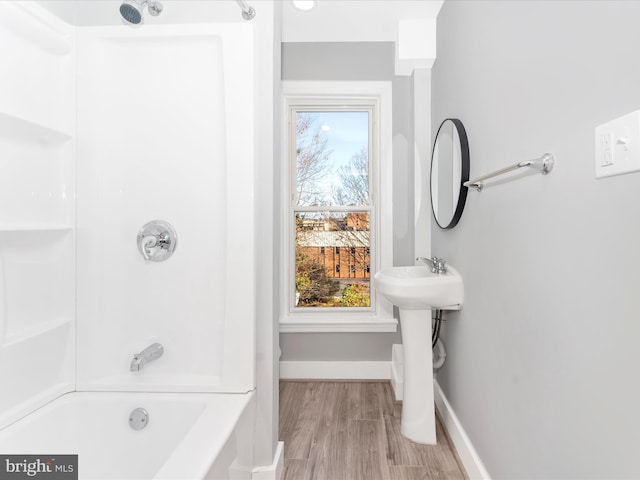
{"points": [[379, 317]]}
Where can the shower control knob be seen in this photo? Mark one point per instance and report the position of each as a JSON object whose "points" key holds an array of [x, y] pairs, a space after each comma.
{"points": [[157, 240]]}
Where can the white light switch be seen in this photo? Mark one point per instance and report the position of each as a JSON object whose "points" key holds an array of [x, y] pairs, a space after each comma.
{"points": [[617, 148]]}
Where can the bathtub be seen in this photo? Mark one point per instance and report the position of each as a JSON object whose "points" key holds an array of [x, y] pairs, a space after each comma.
{"points": [[188, 435]]}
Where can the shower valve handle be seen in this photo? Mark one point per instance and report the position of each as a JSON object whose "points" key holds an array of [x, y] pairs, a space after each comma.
{"points": [[157, 240]]}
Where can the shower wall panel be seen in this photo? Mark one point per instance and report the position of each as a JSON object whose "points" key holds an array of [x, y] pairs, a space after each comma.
{"points": [[165, 133], [37, 212]]}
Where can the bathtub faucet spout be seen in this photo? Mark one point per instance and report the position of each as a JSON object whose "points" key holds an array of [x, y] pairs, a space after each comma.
{"points": [[153, 351]]}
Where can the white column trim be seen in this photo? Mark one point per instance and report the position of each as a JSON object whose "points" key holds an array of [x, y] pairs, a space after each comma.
{"points": [[275, 471]]}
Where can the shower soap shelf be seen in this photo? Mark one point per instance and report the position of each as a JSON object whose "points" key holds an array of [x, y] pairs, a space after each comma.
{"points": [[18, 128]]}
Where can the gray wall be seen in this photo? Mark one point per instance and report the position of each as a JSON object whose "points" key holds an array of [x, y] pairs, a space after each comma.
{"points": [[372, 61], [542, 364]]}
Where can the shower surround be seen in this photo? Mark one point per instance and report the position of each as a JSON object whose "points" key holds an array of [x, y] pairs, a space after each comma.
{"points": [[162, 135], [103, 129]]}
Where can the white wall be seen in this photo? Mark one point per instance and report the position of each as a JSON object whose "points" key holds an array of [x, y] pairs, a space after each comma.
{"points": [[162, 134], [542, 359]]}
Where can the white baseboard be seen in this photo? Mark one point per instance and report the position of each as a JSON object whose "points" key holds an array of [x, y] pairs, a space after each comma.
{"points": [[274, 471], [335, 370], [467, 453]]}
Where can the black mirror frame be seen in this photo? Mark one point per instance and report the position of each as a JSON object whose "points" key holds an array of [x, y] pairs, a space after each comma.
{"points": [[464, 172]]}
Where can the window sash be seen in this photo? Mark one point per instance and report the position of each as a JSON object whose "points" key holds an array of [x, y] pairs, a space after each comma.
{"points": [[372, 251], [355, 106]]}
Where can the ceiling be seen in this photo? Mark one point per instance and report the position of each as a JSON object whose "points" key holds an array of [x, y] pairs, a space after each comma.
{"points": [[353, 20]]}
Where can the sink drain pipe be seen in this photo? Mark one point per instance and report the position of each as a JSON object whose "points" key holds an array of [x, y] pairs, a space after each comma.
{"points": [[439, 353], [438, 319]]}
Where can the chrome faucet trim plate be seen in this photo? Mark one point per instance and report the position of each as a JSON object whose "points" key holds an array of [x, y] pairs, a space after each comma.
{"points": [[157, 240]]}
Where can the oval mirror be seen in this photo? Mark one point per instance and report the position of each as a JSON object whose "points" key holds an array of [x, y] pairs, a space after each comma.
{"points": [[449, 170]]}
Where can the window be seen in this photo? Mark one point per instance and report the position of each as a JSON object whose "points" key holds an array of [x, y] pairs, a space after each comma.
{"points": [[331, 160], [336, 186]]}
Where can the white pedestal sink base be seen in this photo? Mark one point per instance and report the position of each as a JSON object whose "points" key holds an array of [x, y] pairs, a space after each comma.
{"points": [[415, 290], [418, 415]]}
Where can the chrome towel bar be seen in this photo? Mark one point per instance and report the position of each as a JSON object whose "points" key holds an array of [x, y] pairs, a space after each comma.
{"points": [[544, 164]]}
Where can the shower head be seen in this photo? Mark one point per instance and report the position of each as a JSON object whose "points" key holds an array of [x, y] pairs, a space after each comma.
{"points": [[131, 10]]}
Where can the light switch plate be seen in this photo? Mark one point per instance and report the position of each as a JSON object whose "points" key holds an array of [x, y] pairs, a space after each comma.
{"points": [[617, 146]]}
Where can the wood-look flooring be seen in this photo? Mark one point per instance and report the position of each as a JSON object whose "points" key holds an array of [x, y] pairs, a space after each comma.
{"points": [[351, 431]]}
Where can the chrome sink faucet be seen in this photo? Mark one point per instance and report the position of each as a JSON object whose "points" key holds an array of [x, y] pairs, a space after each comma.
{"points": [[438, 265], [152, 352]]}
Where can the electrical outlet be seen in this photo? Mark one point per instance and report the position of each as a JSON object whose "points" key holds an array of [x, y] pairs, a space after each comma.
{"points": [[606, 153]]}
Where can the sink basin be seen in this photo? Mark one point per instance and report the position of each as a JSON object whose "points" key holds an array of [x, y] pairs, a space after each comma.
{"points": [[417, 288]]}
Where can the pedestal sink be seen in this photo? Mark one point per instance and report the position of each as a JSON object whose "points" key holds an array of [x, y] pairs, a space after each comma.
{"points": [[415, 290]]}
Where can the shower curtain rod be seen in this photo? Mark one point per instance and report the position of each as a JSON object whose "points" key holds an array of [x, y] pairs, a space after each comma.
{"points": [[247, 12]]}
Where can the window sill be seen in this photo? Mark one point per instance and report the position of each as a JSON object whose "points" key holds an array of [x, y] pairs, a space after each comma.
{"points": [[307, 324]]}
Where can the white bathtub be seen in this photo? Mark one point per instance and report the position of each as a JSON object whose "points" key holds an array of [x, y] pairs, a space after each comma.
{"points": [[188, 435]]}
